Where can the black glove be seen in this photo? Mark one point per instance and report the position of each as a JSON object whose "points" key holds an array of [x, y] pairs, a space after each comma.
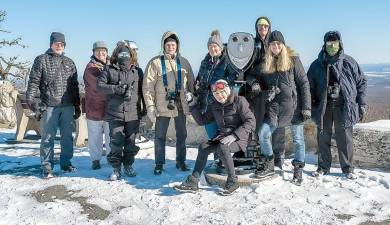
{"points": [[77, 112], [38, 108], [256, 89], [120, 89], [306, 114], [362, 113]]}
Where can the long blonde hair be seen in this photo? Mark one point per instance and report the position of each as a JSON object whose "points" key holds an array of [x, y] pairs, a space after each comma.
{"points": [[280, 63]]}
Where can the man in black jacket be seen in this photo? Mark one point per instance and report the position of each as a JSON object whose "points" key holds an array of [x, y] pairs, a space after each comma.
{"points": [[235, 123], [53, 94], [338, 90]]}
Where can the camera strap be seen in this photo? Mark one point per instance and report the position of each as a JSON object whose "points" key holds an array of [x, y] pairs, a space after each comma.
{"points": [[164, 73]]}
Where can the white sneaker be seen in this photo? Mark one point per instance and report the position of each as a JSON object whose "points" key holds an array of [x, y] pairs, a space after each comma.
{"points": [[350, 176]]}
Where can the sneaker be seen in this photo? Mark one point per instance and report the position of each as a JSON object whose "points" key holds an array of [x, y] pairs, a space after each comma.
{"points": [[96, 164], [48, 174], [350, 176], [116, 175], [230, 187], [189, 185], [69, 169], [129, 171], [182, 166], [320, 172], [158, 169]]}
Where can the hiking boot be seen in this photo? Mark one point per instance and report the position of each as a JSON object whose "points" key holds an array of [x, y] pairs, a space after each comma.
{"points": [[265, 167], [350, 175], [320, 172], [279, 163], [69, 168], [129, 171], [116, 174], [189, 185], [182, 166], [158, 169], [298, 169], [96, 164], [230, 187]]}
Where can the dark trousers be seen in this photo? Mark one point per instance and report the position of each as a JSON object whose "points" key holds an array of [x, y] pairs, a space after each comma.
{"points": [[344, 138], [122, 142], [224, 153], [278, 142], [161, 128]]}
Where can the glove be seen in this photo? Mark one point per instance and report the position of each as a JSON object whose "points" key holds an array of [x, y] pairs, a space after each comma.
{"points": [[362, 113], [77, 112], [151, 114], [38, 109], [191, 99], [120, 89], [306, 114], [256, 89], [228, 139]]}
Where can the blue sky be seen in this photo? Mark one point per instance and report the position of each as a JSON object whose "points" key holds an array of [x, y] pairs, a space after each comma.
{"points": [[363, 25]]}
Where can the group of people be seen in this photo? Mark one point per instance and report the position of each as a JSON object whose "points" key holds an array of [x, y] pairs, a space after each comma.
{"points": [[277, 94]]}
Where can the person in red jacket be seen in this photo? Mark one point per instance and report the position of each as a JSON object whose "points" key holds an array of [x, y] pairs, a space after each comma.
{"points": [[95, 105]]}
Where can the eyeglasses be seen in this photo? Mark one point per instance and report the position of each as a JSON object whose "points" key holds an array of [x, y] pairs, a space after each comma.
{"points": [[218, 86]]}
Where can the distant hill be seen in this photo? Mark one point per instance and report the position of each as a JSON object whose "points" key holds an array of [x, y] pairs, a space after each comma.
{"points": [[380, 67]]}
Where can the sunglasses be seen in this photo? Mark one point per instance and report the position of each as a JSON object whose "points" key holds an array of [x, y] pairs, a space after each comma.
{"points": [[123, 55], [218, 86]]}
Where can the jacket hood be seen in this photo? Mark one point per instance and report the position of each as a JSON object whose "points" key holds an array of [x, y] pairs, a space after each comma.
{"points": [[172, 35], [258, 38]]}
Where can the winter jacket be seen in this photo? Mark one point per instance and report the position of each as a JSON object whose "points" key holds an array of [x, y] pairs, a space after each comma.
{"points": [[281, 110], [155, 93], [95, 102], [233, 117], [209, 72], [53, 80], [352, 81], [117, 107]]}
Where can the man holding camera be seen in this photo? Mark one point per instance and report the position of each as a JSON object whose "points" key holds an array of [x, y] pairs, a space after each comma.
{"points": [[338, 91], [167, 78], [53, 94]]}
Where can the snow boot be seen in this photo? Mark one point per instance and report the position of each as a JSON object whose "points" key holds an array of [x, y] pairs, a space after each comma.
{"points": [[319, 172], [189, 185], [158, 169], [298, 169], [265, 167], [96, 164], [116, 174], [182, 166], [129, 171]]}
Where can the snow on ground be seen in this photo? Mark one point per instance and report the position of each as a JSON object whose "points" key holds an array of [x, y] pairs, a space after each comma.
{"points": [[86, 197], [379, 125]]}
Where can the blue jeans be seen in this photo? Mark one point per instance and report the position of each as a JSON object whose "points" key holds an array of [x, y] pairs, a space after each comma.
{"points": [[211, 130], [298, 140], [54, 118]]}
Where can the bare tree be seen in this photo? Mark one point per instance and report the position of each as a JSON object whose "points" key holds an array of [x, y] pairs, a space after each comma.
{"points": [[12, 67]]}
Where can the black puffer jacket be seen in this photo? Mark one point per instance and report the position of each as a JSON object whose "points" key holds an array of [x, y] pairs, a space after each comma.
{"points": [[233, 117], [53, 80], [209, 72], [286, 105], [117, 107], [352, 81]]}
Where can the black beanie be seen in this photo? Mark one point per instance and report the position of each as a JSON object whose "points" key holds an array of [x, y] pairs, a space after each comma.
{"points": [[276, 36], [332, 36], [170, 38], [57, 37]]}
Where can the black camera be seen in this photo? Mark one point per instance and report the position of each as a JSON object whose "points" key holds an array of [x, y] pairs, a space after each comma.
{"points": [[272, 93], [334, 91], [171, 98]]}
